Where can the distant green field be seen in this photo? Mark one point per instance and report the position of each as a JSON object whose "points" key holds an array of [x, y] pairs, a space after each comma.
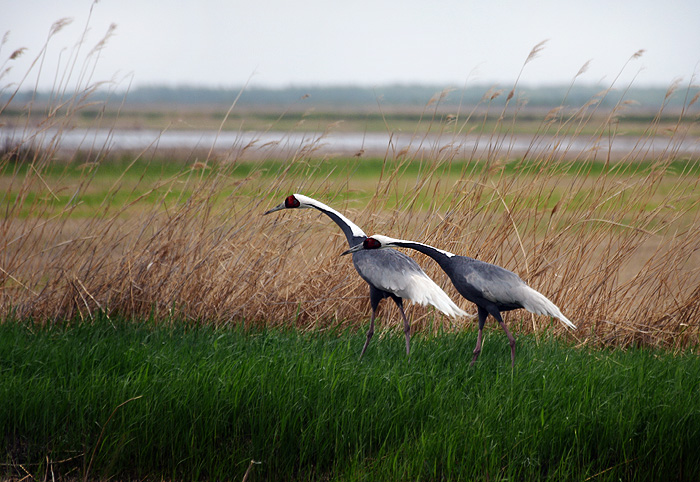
{"points": [[118, 399], [120, 181], [162, 167]]}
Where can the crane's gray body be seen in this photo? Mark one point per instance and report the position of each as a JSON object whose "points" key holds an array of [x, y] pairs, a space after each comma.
{"points": [[484, 284], [493, 289]]}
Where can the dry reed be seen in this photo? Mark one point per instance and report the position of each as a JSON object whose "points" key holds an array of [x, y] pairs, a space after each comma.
{"points": [[617, 251]]}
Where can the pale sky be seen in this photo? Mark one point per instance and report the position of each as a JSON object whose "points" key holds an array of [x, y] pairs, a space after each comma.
{"points": [[278, 43]]}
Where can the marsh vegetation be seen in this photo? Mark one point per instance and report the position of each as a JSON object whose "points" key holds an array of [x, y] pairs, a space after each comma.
{"points": [[155, 324]]}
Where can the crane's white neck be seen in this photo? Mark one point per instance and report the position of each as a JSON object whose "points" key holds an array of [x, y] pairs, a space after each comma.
{"points": [[307, 202], [388, 242]]}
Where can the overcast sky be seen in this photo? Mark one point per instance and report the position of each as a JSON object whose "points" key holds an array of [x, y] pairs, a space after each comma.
{"points": [[277, 43]]}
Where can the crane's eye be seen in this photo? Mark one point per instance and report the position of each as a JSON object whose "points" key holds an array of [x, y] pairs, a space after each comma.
{"points": [[371, 243], [291, 202]]}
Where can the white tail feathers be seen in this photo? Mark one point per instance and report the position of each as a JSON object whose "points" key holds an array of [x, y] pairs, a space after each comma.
{"points": [[536, 302], [425, 291]]}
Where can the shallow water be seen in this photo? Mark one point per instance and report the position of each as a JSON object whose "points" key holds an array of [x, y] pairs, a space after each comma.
{"points": [[273, 144]]}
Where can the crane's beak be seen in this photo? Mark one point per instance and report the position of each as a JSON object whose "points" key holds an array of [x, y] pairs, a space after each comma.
{"points": [[354, 249], [276, 208]]}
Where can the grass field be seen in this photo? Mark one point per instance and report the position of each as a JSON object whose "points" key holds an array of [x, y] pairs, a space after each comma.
{"points": [[191, 402]]}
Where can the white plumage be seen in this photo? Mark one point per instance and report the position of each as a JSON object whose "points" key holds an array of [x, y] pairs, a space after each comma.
{"points": [[423, 290], [536, 302]]}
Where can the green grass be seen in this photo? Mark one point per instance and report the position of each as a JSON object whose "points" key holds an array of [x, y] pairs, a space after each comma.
{"points": [[123, 181], [151, 171], [164, 167], [134, 399]]}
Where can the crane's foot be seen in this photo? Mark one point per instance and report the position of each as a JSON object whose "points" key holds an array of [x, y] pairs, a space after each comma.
{"points": [[369, 337], [511, 340], [476, 355], [406, 331], [477, 348], [408, 343]]}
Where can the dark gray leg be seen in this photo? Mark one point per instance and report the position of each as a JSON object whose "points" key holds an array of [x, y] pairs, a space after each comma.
{"points": [[482, 320], [406, 324], [477, 349], [511, 339], [370, 333], [375, 296], [406, 330]]}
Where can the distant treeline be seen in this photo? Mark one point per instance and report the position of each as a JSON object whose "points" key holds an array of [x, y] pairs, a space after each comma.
{"points": [[389, 95]]}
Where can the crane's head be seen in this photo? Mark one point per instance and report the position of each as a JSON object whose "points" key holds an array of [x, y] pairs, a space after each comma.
{"points": [[373, 242], [292, 201]]}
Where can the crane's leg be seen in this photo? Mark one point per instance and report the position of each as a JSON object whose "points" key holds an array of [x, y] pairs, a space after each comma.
{"points": [[375, 296], [511, 339], [482, 320], [370, 333], [406, 324], [406, 330]]}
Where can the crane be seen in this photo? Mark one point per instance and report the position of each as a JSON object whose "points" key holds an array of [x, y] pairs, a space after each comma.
{"points": [[389, 273], [493, 289]]}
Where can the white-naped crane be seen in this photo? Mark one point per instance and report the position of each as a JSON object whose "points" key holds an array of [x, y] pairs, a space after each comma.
{"points": [[491, 288], [389, 273]]}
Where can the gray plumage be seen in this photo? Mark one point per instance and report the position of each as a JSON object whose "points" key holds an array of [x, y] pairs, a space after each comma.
{"points": [[389, 273], [493, 289]]}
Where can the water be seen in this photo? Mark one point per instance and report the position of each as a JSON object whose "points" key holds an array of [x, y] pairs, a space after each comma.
{"points": [[376, 144]]}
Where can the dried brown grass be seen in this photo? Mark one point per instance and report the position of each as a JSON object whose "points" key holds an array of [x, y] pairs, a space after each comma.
{"points": [[618, 251]]}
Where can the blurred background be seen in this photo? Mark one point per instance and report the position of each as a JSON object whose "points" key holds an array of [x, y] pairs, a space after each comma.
{"points": [[274, 43]]}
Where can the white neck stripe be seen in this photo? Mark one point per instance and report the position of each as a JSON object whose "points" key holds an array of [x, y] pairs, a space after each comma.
{"points": [[306, 201], [386, 240]]}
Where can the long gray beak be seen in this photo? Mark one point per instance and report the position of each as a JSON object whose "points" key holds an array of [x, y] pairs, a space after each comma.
{"points": [[276, 208], [354, 249]]}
